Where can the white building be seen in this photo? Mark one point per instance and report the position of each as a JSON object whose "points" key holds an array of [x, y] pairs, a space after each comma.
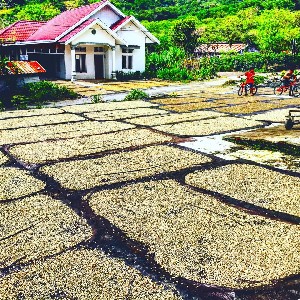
{"points": [[90, 42]]}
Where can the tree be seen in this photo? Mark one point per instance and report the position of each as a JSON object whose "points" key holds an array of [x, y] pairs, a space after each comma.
{"points": [[276, 30], [230, 29], [184, 34], [37, 11]]}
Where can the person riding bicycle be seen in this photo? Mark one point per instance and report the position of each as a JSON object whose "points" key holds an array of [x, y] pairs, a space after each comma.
{"points": [[250, 80], [288, 78]]}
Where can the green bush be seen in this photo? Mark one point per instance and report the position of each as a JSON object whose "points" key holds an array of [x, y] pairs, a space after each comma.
{"points": [[263, 62], [35, 94], [122, 76], [168, 59], [136, 94], [20, 101], [172, 65], [230, 82], [97, 98], [176, 73], [42, 91], [259, 79]]}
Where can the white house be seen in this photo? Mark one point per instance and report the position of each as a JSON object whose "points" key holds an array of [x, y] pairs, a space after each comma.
{"points": [[90, 42]]}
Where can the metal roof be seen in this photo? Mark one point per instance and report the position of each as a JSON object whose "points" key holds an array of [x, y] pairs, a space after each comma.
{"points": [[220, 47], [22, 67]]}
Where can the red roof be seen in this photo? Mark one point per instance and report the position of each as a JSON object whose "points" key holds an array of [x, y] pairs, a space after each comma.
{"points": [[63, 25], [119, 23], [63, 22], [76, 30], [20, 31], [22, 67]]}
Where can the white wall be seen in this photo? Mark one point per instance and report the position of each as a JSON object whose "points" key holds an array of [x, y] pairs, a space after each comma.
{"points": [[68, 62], [130, 33], [100, 39], [133, 36], [107, 16], [90, 68]]}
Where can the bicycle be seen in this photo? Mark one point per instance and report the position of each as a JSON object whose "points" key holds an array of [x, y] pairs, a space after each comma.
{"points": [[290, 119], [292, 87], [245, 88]]}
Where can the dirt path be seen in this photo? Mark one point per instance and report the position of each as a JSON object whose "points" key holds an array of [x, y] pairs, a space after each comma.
{"points": [[152, 91]]}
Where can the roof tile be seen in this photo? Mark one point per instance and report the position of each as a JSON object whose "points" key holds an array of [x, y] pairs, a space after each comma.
{"points": [[58, 25], [20, 30], [76, 30], [117, 24]]}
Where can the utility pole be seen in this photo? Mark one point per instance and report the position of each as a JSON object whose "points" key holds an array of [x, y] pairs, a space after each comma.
{"points": [[294, 47]]}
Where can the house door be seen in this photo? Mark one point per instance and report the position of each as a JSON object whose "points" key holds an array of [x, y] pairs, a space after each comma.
{"points": [[99, 66]]}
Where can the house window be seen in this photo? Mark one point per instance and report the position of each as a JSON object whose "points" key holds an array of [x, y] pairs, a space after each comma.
{"points": [[23, 51], [98, 49], [80, 63], [45, 49], [80, 49], [60, 49], [127, 55]]}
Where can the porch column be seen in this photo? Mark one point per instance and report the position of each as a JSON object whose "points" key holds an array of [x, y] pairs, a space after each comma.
{"points": [[113, 73], [73, 63]]}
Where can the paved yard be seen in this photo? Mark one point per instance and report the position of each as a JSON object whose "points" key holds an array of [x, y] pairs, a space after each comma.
{"points": [[121, 200]]}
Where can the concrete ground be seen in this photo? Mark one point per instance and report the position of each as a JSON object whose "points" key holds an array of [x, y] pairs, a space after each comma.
{"points": [[190, 194]]}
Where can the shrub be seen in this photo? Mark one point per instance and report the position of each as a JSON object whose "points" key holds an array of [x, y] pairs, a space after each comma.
{"points": [[135, 95], [167, 59], [36, 93], [97, 98], [230, 82], [173, 64], [175, 73], [43, 91], [259, 79], [263, 62], [20, 102], [122, 76]]}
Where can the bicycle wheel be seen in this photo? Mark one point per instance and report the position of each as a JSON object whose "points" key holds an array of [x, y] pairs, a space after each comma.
{"points": [[278, 90], [289, 124], [295, 91], [247, 89], [254, 89], [241, 91]]}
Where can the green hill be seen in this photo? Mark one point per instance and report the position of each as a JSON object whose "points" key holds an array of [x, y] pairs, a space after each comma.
{"points": [[270, 25]]}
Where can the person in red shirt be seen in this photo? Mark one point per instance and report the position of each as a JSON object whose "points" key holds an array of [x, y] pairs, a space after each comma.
{"points": [[250, 80], [287, 79]]}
